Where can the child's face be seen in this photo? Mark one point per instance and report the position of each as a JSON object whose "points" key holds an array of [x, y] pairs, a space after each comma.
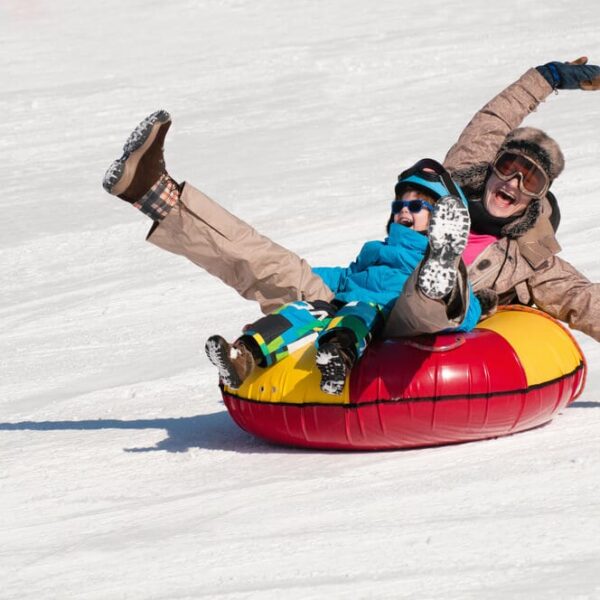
{"points": [[418, 221]]}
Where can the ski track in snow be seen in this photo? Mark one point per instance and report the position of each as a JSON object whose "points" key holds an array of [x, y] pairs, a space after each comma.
{"points": [[122, 476]]}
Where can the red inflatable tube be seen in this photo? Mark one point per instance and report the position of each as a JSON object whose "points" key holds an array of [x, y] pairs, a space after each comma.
{"points": [[410, 393]]}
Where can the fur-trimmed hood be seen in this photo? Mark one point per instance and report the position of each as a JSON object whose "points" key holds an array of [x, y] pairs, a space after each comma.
{"points": [[537, 145], [544, 150]]}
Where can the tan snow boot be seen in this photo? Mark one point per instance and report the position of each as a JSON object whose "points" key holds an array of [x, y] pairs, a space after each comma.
{"points": [[140, 176]]}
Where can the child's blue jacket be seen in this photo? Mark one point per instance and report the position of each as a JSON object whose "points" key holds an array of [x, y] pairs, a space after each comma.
{"points": [[381, 269]]}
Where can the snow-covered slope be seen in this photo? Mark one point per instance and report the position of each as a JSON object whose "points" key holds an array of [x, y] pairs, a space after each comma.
{"points": [[121, 474]]}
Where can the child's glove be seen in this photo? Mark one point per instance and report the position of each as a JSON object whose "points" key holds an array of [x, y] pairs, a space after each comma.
{"points": [[571, 75]]}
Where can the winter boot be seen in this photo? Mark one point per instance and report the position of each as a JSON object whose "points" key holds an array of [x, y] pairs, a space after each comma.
{"points": [[234, 361], [140, 176], [334, 360], [448, 232]]}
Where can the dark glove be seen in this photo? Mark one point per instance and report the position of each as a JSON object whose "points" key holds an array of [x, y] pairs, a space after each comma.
{"points": [[571, 75]]}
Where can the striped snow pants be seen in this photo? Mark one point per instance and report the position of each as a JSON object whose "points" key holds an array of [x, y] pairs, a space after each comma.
{"points": [[298, 323]]}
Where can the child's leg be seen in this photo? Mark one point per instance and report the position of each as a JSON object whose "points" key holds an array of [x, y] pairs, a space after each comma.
{"points": [[355, 322], [344, 340], [286, 329], [267, 340]]}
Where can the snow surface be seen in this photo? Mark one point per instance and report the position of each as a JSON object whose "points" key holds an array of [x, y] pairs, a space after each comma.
{"points": [[122, 475]]}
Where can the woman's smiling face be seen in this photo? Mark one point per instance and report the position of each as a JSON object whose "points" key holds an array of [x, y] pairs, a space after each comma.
{"points": [[504, 198]]}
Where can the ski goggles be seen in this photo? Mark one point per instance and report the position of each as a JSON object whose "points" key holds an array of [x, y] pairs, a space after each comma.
{"points": [[414, 206], [533, 180]]}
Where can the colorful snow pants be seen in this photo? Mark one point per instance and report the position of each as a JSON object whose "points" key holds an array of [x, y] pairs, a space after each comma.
{"points": [[298, 323]]}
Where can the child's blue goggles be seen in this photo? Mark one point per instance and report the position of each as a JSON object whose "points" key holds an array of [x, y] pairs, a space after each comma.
{"points": [[414, 206]]}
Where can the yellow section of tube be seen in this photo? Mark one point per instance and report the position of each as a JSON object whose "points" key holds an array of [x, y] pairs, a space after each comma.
{"points": [[546, 350]]}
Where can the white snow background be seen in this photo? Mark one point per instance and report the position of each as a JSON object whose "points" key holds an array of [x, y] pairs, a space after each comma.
{"points": [[122, 475]]}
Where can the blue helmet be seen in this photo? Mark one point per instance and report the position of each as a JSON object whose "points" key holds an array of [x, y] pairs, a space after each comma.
{"points": [[435, 181]]}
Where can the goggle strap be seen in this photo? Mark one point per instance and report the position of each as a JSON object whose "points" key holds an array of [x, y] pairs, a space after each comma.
{"points": [[449, 184]]}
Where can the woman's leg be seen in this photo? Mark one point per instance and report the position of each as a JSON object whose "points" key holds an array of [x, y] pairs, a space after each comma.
{"points": [[189, 223], [256, 267], [414, 313]]}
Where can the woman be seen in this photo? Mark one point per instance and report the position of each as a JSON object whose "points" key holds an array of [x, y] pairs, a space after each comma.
{"points": [[506, 174]]}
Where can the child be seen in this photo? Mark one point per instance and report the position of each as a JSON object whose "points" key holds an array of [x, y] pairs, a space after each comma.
{"points": [[428, 226]]}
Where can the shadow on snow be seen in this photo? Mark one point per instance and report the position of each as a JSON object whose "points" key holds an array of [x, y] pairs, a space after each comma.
{"points": [[214, 431]]}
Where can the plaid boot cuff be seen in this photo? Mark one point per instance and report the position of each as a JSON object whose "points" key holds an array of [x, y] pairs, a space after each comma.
{"points": [[160, 198]]}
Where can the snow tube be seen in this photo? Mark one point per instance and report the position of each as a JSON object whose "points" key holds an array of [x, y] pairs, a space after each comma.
{"points": [[515, 371]]}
